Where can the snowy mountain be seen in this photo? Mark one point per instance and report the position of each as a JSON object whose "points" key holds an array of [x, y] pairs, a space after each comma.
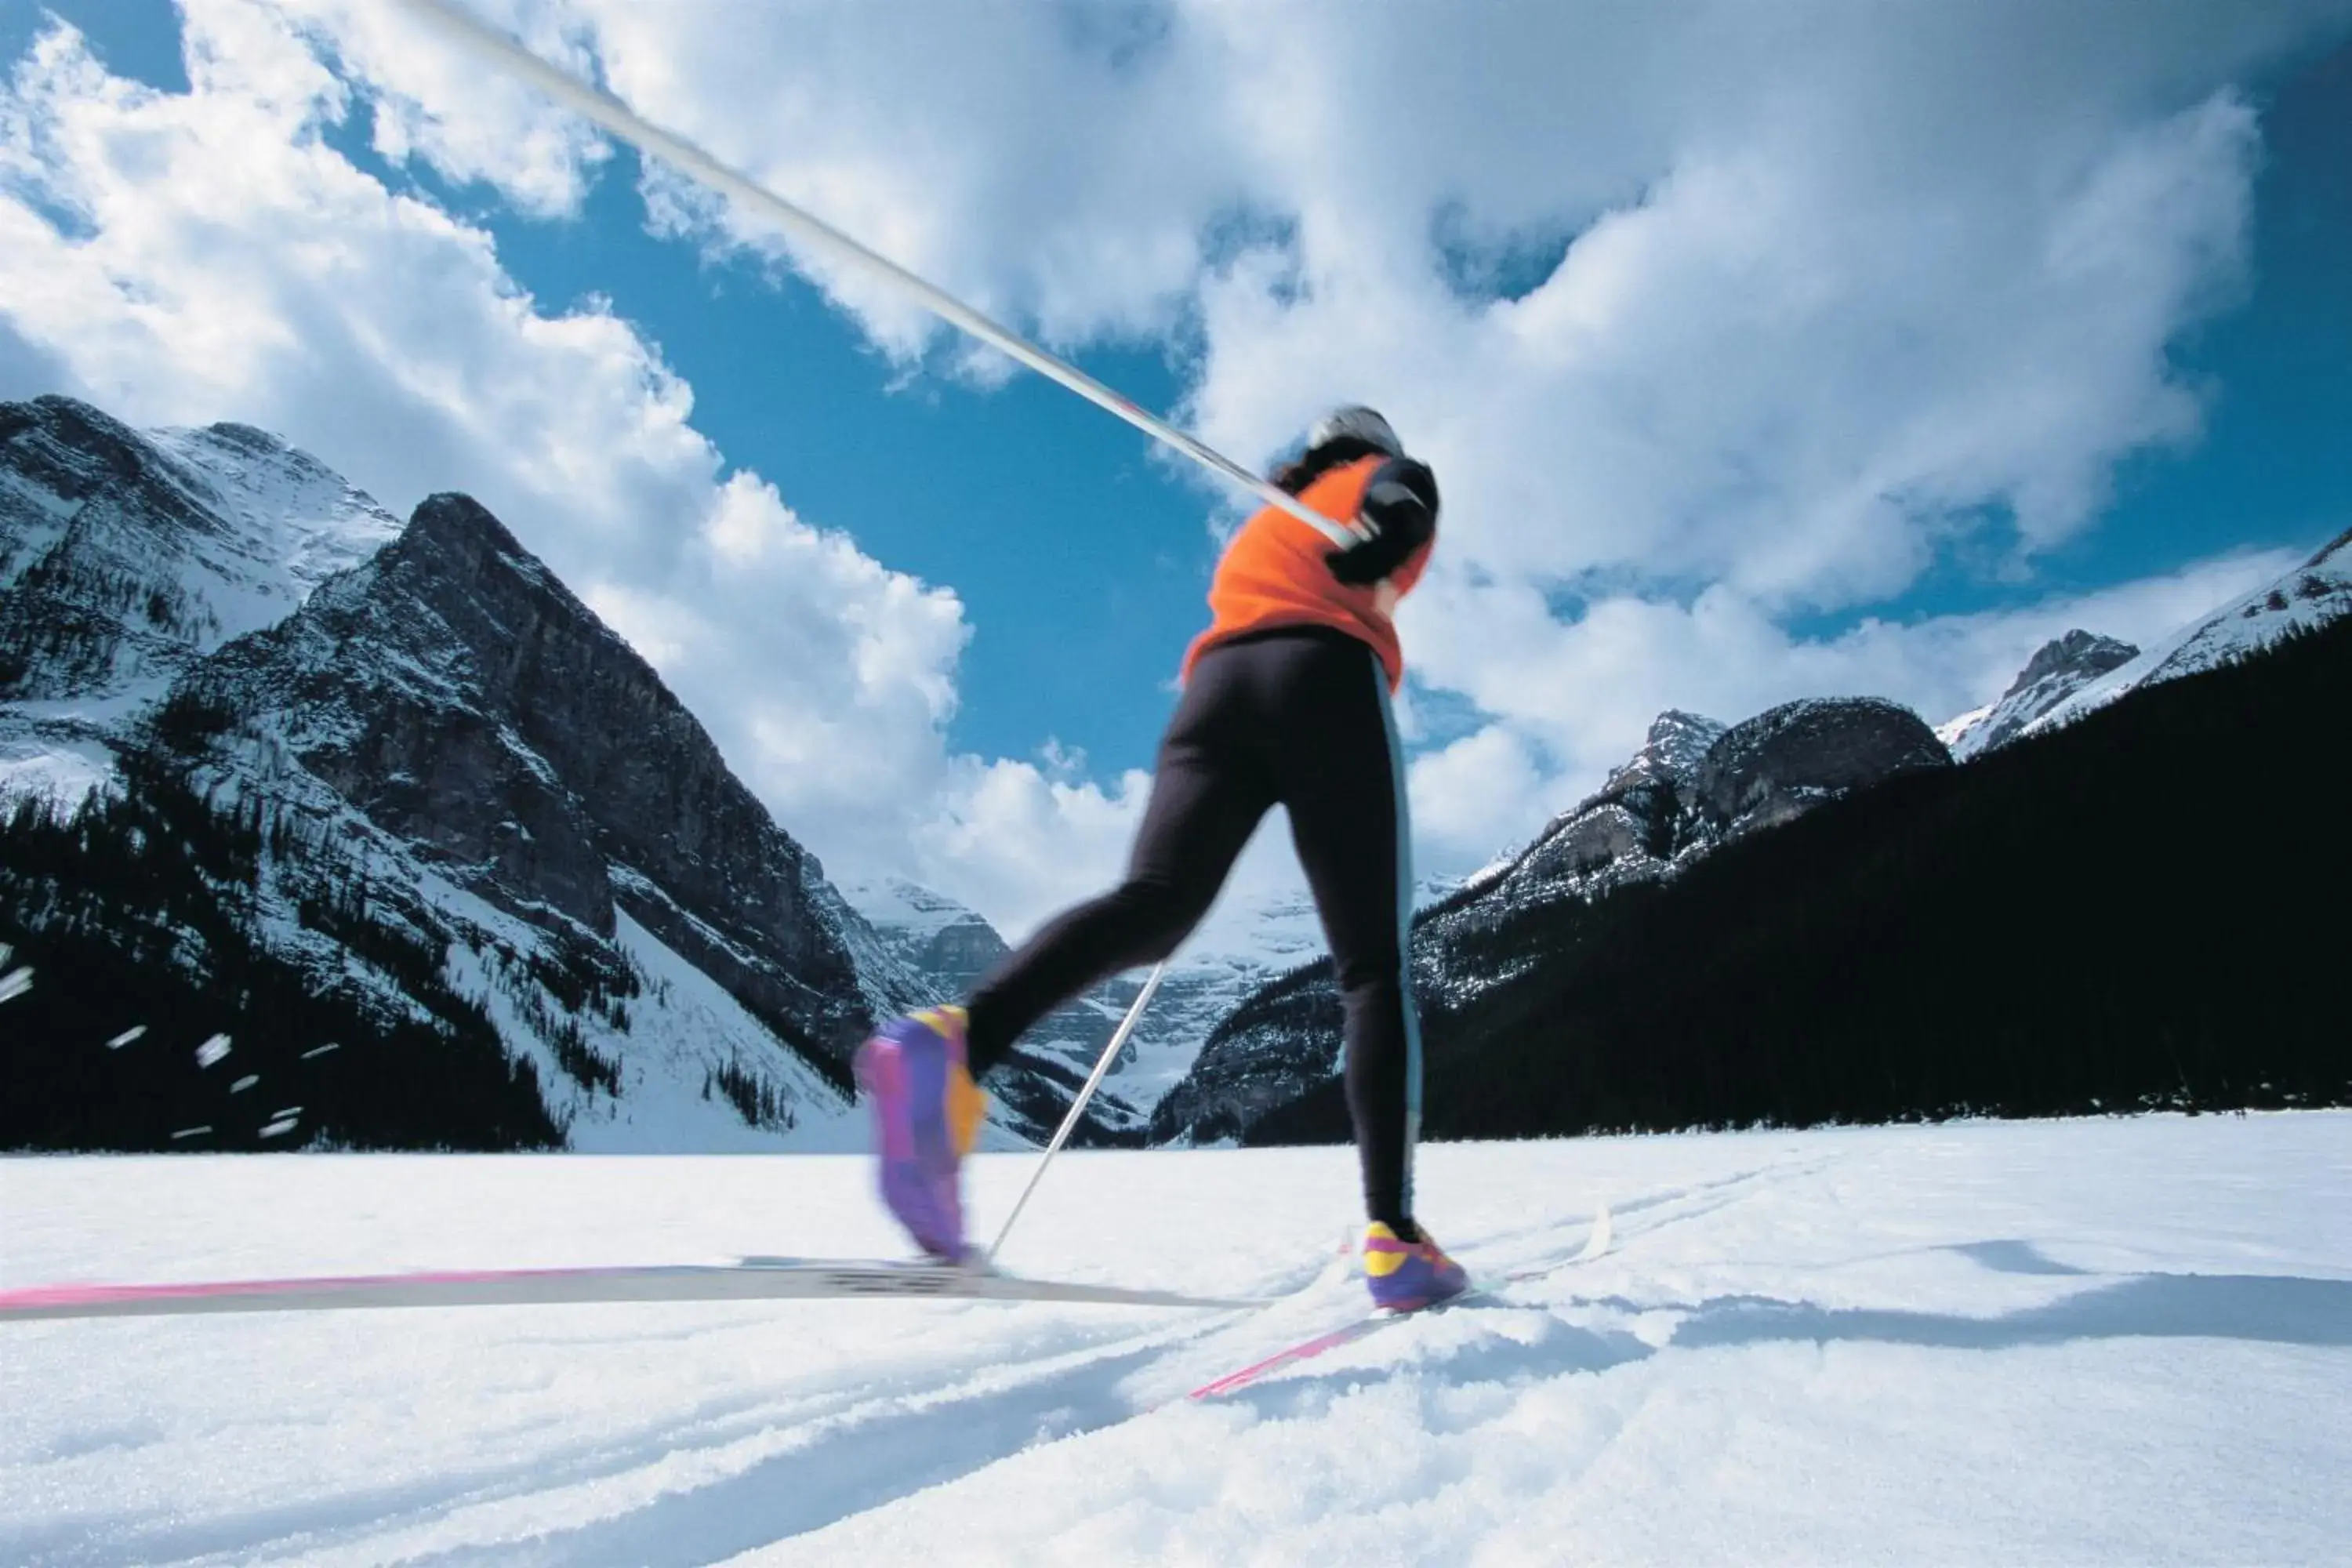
{"points": [[124, 558], [947, 948], [949, 945], [953, 948], [2308, 597], [2058, 669], [1694, 786], [438, 793], [2025, 938], [1565, 937]]}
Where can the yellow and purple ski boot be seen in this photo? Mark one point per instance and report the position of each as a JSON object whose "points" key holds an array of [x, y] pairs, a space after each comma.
{"points": [[1406, 1276], [927, 1112]]}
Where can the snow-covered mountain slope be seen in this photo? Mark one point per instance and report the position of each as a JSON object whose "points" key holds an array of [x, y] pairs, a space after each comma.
{"points": [[2310, 596], [506, 745], [435, 788], [2104, 1341], [124, 557], [2058, 669], [953, 948], [946, 943]]}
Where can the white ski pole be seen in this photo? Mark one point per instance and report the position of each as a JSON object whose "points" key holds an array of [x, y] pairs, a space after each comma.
{"points": [[604, 110], [1094, 1081]]}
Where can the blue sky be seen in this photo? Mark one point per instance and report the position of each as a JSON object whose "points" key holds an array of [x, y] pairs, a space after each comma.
{"points": [[1744, 511]]}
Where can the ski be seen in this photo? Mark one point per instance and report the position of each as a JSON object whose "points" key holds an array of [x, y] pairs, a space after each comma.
{"points": [[1305, 1349], [744, 1279], [1596, 1243]]}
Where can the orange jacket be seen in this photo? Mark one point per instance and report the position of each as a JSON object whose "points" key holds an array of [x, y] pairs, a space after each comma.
{"points": [[1273, 574]]}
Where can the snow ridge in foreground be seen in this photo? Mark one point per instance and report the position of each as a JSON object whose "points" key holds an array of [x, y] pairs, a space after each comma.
{"points": [[2113, 1341]]}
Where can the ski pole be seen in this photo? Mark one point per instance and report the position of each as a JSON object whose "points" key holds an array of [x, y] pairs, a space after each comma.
{"points": [[603, 109], [1094, 1081]]}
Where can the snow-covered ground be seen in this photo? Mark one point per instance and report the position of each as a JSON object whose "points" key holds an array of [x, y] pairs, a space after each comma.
{"points": [[2087, 1341]]}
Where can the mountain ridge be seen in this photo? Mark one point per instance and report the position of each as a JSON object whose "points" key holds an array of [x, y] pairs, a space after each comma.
{"points": [[452, 800]]}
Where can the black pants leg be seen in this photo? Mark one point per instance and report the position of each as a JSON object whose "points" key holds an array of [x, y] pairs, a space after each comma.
{"points": [[1208, 793], [1341, 777], [1300, 718]]}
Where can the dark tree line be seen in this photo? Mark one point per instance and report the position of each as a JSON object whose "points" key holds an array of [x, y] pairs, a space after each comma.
{"points": [[759, 1103], [137, 911], [2145, 909]]}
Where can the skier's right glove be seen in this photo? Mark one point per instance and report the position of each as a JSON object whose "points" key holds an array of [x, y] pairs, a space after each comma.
{"points": [[1401, 512]]}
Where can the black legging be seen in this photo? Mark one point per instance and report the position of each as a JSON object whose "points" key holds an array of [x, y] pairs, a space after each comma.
{"points": [[1298, 717]]}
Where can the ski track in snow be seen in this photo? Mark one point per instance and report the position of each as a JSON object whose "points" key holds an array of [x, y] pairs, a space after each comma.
{"points": [[2109, 1340]]}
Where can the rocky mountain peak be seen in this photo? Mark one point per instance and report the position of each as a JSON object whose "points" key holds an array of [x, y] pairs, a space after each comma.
{"points": [[126, 556], [1671, 755], [430, 794], [1787, 759], [2058, 669], [1695, 781], [59, 460], [457, 694], [456, 530], [946, 943], [252, 440], [2074, 655]]}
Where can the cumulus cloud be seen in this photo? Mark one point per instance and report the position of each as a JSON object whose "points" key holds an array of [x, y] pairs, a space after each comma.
{"points": [[1579, 696], [1019, 842], [1844, 281], [184, 257], [469, 119], [1828, 293], [1717, 319]]}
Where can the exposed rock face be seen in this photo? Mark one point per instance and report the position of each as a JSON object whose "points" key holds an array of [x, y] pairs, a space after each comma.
{"points": [[1692, 787], [2057, 671], [1672, 755], [1599, 835], [1634, 824], [1784, 762], [1281, 1044], [465, 701], [454, 803]]}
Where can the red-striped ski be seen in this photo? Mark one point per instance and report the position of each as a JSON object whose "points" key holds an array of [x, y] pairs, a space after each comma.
{"points": [[1595, 1244], [744, 1279]]}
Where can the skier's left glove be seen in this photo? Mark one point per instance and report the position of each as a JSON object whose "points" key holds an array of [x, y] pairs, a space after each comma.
{"points": [[1400, 513]]}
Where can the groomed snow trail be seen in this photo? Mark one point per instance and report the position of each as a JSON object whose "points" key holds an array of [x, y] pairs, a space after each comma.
{"points": [[2114, 1341]]}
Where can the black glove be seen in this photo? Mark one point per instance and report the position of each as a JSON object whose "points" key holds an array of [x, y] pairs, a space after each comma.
{"points": [[1400, 511]]}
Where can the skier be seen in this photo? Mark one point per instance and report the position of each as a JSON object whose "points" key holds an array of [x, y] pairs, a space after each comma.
{"points": [[1285, 701]]}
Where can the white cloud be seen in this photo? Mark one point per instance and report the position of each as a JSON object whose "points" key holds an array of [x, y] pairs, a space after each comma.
{"points": [[470, 119], [1849, 277], [1848, 285], [1017, 843], [1468, 796], [180, 259], [1577, 698]]}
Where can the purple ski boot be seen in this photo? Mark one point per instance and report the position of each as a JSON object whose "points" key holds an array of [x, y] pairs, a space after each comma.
{"points": [[1406, 1276], [927, 1112]]}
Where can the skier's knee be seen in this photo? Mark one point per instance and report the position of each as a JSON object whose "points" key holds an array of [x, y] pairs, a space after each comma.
{"points": [[1162, 915]]}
